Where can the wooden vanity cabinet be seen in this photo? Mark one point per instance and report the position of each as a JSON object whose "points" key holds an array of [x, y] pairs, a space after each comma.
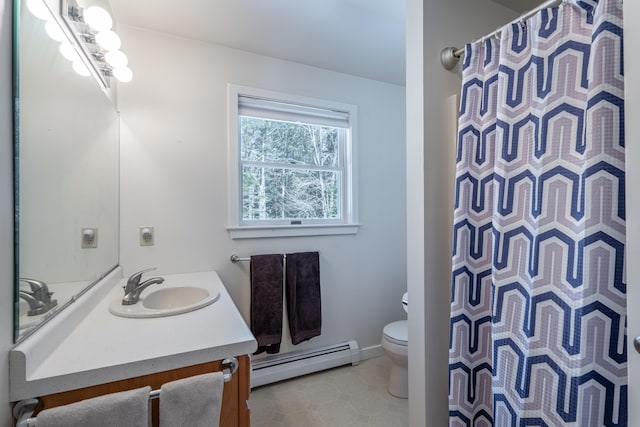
{"points": [[235, 408]]}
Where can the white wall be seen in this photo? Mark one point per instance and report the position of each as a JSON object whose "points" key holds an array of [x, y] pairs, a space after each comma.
{"points": [[174, 177], [415, 93], [632, 136], [6, 210], [431, 26]]}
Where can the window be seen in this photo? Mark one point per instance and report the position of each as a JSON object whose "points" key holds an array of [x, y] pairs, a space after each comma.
{"points": [[291, 165]]}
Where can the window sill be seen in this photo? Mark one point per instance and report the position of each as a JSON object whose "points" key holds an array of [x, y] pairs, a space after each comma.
{"points": [[258, 232]]}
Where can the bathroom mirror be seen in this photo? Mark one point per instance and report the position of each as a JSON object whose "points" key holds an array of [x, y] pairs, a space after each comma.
{"points": [[66, 173]]}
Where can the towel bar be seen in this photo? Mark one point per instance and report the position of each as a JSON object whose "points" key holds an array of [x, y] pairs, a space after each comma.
{"points": [[23, 410], [236, 258]]}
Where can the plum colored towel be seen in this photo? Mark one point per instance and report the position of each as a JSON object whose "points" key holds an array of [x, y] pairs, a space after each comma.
{"points": [[192, 402], [303, 296], [266, 301], [123, 409]]}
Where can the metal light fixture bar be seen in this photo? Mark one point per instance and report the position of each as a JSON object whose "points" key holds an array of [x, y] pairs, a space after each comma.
{"points": [[94, 55], [83, 36]]}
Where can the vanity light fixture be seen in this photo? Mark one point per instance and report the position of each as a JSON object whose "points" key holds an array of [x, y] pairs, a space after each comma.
{"points": [[91, 28], [54, 31], [91, 31], [80, 68], [40, 10], [97, 18], [69, 52], [116, 59], [108, 40], [123, 74]]}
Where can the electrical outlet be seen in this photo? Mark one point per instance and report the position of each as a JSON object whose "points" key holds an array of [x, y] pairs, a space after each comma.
{"points": [[146, 236], [89, 237]]}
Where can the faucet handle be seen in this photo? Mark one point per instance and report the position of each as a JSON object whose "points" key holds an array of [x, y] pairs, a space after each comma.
{"points": [[40, 291], [136, 277], [35, 285], [38, 288]]}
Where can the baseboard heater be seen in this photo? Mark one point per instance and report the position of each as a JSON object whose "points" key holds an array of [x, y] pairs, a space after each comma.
{"points": [[289, 365]]}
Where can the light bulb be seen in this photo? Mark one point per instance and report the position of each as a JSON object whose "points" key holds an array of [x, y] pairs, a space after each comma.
{"points": [[97, 18], [108, 40], [80, 68], [55, 32], [116, 59], [39, 9], [123, 74], [69, 52]]}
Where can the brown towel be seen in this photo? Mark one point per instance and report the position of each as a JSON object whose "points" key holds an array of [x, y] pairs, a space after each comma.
{"points": [[266, 301], [303, 296]]}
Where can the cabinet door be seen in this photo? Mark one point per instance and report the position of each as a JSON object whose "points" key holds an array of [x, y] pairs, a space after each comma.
{"points": [[234, 410]]}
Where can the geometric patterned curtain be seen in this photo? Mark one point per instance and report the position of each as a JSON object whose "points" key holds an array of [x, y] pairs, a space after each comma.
{"points": [[538, 308]]}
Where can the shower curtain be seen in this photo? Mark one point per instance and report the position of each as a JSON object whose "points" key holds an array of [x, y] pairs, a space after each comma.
{"points": [[538, 313]]}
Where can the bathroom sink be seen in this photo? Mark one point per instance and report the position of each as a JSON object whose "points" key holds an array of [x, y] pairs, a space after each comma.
{"points": [[169, 298], [166, 301]]}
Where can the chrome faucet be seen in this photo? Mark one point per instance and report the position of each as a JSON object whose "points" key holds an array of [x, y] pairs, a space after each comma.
{"points": [[134, 288], [39, 299], [35, 307]]}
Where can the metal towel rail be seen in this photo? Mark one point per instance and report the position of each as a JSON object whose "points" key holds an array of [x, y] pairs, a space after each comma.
{"points": [[237, 258], [23, 410]]}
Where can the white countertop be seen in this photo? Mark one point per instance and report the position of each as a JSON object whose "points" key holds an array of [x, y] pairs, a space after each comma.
{"points": [[92, 346]]}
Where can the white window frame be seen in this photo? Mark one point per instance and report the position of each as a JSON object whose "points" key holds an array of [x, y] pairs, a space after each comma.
{"points": [[238, 228]]}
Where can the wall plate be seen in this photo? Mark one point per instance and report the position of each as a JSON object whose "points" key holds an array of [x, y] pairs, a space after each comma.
{"points": [[147, 236], [89, 237]]}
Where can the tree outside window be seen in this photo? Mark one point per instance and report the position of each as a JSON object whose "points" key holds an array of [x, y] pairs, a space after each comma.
{"points": [[290, 171]]}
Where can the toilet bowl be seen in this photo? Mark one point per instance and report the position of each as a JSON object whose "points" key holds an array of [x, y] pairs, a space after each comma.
{"points": [[395, 340]]}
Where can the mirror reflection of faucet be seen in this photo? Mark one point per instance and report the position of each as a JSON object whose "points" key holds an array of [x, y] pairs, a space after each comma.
{"points": [[39, 299], [134, 288]]}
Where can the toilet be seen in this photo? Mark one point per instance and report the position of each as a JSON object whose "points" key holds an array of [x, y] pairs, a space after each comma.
{"points": [[395, 339]]}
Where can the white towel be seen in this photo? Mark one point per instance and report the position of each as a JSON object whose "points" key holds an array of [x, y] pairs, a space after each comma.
{"points": [[123, 409], [192, 402]]}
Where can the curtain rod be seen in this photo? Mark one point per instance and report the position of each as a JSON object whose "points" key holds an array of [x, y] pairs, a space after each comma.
{"points": [[450, 56]]}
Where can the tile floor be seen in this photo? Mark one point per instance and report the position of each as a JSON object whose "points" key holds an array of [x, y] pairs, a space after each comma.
{"points": [[348, 396]]}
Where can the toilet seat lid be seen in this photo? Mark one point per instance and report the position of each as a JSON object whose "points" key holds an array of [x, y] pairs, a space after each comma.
{"points": [[397, 332]]}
